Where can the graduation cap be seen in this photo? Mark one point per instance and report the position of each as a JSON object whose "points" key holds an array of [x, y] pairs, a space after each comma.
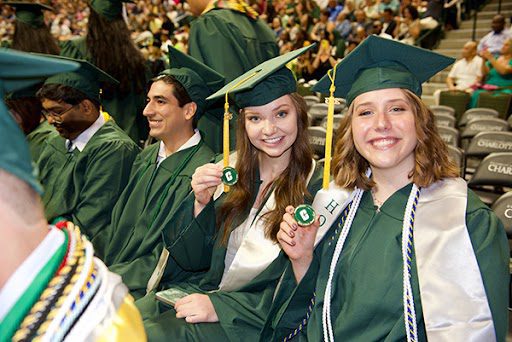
{"points": [[30, 13], [110, 9], [199, 80], [19, 70], [379, 63], [261, 85], [264, 83], [87, 79]]}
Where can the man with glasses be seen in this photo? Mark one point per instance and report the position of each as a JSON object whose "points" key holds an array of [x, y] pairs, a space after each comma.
{"points": [[86, 166]]}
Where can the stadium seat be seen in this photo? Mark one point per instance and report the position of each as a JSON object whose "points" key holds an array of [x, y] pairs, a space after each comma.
{"points": [[317, 141], [500, 102], [449, 135], [442, 109], [311, 100], [457, 156], [476, 113], [503, 209], [485, 143], [444, 120], [336, 121], [493, 174], [475, 126], [318, 111], [456, 99]]}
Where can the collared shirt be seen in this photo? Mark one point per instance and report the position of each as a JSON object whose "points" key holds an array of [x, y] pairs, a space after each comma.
{"points": [[84, 137], [193, 141], [493, 41]]}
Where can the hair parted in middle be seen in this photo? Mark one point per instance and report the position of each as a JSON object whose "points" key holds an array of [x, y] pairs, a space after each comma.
{"points": [[432, 160], [290, 187]]}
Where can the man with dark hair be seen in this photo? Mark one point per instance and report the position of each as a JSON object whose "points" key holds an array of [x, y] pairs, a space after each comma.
{"points": [[388, 22], [493, 41], [160, 180], [51, 285], [85, 168]]}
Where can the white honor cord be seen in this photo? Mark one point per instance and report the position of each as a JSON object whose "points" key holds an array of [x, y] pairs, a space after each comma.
{"points": [[326, 309], [407, 239]]}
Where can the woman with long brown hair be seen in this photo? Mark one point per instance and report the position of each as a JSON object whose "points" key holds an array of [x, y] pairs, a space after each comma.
{"points": [[108, 46], [408, 253], [275, 166]]}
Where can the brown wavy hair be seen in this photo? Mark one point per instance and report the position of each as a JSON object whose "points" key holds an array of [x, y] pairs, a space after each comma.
{"points": [[29, 39], [112, 50], [432, 161], [290, 187]]}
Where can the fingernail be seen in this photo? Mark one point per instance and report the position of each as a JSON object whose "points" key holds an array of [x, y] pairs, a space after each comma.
{"points": [[295, 226], [292, 234]]}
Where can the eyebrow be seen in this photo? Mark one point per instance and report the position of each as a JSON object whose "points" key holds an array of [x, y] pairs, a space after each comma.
{"points": [[158, 97], [387, 102]]}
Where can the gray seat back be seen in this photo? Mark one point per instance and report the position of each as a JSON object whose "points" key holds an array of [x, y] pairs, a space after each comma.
{"points": [[485, 143]]}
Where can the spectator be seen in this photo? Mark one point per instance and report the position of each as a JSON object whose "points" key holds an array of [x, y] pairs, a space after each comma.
{"points": [[432, 15], [465, 72], [394, 5], [318, 31], [497, 73], [324, 61], [360, 22], [334, 9], [410, 27], [343, 26], [493, 41], [388, 22], [371, 9], [277, 27], [452, 14]]}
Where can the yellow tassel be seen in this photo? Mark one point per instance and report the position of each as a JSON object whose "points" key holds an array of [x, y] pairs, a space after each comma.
{"points": [[328, 137], [228, 116]]}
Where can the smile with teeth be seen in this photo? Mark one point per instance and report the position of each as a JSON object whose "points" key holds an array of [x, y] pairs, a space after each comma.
{"points": [[273, 140], [383, 142]]}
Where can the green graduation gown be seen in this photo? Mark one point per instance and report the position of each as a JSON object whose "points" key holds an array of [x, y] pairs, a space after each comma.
{"points": [[127, 109], [230, 43], [36, 139], [151, 201], [241, 313], [366, 300], [84, 186]]}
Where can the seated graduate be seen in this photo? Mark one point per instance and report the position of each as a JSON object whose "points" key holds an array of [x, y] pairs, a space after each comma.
{"points": [[86, 166], [425, 258], [51, 285], [275, 166], [160, 179]]}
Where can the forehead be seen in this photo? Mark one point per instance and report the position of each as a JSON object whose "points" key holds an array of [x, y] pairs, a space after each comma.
{"points": [[161, 88], [278, 103], [381, 96], [47, 103]]}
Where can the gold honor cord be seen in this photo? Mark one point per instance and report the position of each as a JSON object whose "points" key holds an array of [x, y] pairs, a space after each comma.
{"points": [[228, 116], [328, 138]]}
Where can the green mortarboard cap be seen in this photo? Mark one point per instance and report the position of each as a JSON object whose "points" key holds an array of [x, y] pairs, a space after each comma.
{"points": [[30, 13], [379, 63], [18, 70], [264, 83], [110, 9], [199, 80], [88, 78]]}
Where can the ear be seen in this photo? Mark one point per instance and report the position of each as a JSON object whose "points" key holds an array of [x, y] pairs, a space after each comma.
{"points": [[88, 107], [190, 110]]}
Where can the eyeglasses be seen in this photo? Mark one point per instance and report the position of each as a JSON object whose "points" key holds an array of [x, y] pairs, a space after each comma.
{"points": [[56, 116]]}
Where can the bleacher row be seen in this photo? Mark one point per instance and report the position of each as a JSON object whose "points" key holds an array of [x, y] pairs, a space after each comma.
{"points": [[479, 141]]}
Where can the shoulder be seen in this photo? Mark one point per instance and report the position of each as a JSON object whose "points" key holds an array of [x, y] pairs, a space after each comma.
{"points": [[110, 136]]}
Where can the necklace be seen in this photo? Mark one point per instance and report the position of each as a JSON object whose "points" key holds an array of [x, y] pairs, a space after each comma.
{"points": [[377, 203]]}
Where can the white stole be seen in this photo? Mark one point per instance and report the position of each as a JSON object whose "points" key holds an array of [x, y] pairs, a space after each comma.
{"points": [[256, 252], [454, 303], [455, 306]]}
